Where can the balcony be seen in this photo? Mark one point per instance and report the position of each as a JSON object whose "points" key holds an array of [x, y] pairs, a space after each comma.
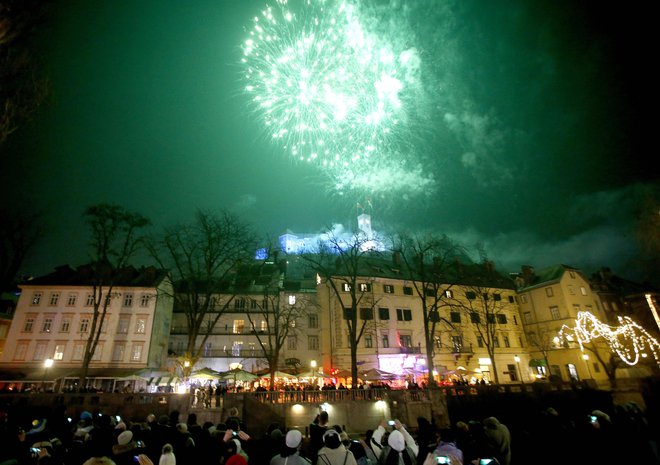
{"points": [[410, 350], [220, 331]]}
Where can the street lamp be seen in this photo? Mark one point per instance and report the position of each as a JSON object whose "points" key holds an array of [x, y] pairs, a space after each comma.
{"points": [[585, 357], [313, 365], [517, 359], [47, 364]]}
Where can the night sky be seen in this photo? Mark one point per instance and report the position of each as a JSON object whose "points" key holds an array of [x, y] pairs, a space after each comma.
{"points": [[536, 128]]}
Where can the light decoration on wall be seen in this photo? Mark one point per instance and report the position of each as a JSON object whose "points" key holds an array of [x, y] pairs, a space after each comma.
{"points": [[629, 340]]}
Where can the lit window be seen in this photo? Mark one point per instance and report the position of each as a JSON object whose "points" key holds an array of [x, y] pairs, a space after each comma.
{"points": [[583, 290], [365, 287], [118, 352], [238, 326], [59, 352], [346, 287], [136, 353], [236, 348], [140, 326], [449, 293], [292, 300], [36, 298], [554, 312], [388, 289]]}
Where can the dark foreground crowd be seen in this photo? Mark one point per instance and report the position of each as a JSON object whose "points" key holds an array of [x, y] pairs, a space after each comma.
{"points": [[98, 439]]}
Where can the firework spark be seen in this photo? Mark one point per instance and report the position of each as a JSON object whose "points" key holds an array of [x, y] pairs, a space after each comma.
{"points": [[329, 91]]}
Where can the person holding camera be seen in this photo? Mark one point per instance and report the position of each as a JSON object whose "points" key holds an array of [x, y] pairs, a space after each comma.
{"points": [[401, 448]]}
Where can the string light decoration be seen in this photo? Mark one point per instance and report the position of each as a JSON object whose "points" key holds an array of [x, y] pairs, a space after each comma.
{"points": [[629, 340]]}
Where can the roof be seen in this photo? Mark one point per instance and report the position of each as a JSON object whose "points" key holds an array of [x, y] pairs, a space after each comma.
{"points": [[548, 275], [84, 275]]}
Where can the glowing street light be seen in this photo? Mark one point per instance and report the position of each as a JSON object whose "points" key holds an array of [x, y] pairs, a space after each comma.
{"points": [[517, 359], [47, 364], [585, 357]]}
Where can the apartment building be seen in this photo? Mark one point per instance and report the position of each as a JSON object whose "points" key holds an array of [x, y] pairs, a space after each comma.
{"points": [[53, 320], [550, 300]]}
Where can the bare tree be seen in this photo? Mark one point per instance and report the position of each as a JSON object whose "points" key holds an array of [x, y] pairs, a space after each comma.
{"points": [[429, 263], [483, 306], [23, 85], [543, 339], [19, 232], [115, 238], [281, 319], [341, 265], [203, 257]]}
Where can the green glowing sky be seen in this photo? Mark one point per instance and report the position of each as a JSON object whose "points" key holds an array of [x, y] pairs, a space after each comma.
{"points": [[533, 126]]}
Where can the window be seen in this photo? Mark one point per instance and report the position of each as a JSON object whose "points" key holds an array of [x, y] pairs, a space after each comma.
{"points": [[118, 352], [28, 325], [237, 327], [511, 299], [388, 289], [496, 341], [405, 340], [293, 323], [515, 320], [78, 349], [348, 313], [312, 342], [47, 325], [128, 300], [253, 304], [507, 343], [455, 317], [140, 326], [21, 350], [407, 290], [527, 317], [59, 351], [449, 293], [66, 325], [571, 290], [548, 291], [475, 317], [554, 312], [98, 352], [36, 298], [403, 314], [368, 342], [90, 300], [367, 313], [485, 297], [501, 318], [365, 287], [457, 344], [136, 353], [480, 341], [291, 343], [54, 298], [292, 300], [437, 342], [264, 326], [430, 292], [84, 325], [497, 297], [470, 295], [144, 302], [312, 321], [434, 316], [71, 300], [490, 318], [40, 351], [583, 290], [122, 326], [383, 313], [239, 304], [523, 298], [572, 274], [386, 341], [346, 287], [236, 348]]}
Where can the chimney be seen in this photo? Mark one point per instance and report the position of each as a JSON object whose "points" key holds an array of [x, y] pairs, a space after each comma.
{"points": [[528, 274]]}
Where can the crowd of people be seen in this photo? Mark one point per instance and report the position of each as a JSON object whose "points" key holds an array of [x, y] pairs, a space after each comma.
{"points": [[100, 439]]}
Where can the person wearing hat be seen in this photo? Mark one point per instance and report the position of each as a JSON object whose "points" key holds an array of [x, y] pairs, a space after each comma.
{"points": [[290, 454], [333, 452], [125, 449], [401, 448]]}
